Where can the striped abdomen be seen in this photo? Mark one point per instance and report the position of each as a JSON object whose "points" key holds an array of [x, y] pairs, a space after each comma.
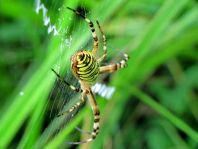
{"points": [[85, 67]]}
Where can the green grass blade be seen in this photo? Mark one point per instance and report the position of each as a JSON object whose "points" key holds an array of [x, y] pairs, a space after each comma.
{"points": [[154, 31], [164, 112], [61, 137], [36, 87]]}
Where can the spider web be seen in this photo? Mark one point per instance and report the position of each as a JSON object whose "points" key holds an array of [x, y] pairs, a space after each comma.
{"points": [[62, 97]]}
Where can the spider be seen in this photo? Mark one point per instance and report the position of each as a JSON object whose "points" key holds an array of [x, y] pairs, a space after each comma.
{"points": [[86, 68]]}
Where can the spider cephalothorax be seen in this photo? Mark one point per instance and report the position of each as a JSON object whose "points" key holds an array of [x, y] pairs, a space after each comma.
{"points": [[86, 68]]}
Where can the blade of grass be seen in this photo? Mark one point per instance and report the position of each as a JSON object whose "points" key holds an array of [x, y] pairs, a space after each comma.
{"points": [[173, 134], [162, 19], [37, 114], [189, 19], [170, 50], [61, 137], [29, 137], [177, 122], [20, 109], [34, 89]]}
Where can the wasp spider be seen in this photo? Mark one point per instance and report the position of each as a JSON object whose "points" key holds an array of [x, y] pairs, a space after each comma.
{"points": [[86, 68]]}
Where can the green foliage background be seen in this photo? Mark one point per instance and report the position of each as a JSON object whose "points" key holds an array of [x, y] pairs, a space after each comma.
{"points": [[156, 99]]}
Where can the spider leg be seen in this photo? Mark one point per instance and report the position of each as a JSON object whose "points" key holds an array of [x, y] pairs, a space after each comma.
{"points": [[90, 23], [104, 43], [96, 113], [114, 67], [74, 107], [61, 79]]}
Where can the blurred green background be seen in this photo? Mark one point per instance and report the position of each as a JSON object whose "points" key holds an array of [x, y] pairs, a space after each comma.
{"points": [[156, 100]]}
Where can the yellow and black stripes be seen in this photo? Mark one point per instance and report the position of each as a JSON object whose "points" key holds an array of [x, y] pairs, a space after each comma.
{"points": [[85, 67], [91, 25], [96, 113], [123, 63], [96, 126], [71, 86], [74, 107], [94, 133], [114, 67]]}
